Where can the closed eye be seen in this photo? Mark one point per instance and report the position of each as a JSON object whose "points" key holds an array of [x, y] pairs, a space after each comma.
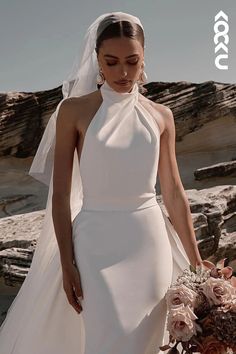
{"points": [[111, 64]]}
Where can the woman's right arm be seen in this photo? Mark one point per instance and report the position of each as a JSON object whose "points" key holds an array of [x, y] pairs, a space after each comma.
{"points": [[66, 140]]}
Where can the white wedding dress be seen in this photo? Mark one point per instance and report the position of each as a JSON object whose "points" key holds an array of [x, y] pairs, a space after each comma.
{"points": [[126, 249]]}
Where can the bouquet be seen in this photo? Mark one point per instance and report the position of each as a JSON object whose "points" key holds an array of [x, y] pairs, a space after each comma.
{"points": [[201, 310]]}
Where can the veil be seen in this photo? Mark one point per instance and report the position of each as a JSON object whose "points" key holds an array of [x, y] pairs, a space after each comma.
{"points": [[45, 266]]}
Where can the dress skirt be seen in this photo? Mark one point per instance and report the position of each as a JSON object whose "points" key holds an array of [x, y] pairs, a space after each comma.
{"points": [[125, 263]]}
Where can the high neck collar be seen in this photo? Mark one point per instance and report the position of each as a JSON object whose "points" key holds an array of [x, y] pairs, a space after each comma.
{"points": [[108, 93]]}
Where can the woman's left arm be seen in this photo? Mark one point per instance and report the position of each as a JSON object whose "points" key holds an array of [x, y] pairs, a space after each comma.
{"points": [[172, 190]]}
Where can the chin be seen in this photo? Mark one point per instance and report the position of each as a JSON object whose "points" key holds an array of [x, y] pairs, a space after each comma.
{"points": [[123, 88]]}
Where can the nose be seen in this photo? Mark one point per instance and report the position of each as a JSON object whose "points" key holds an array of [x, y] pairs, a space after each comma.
{"points": [[123, 72]]}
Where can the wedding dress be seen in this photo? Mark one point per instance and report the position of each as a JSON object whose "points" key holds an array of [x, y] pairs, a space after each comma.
{"points": [[126, 249]]}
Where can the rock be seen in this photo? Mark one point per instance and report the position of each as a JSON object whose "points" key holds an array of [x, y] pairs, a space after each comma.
{"points": [[219, 169], [194, 105], [205, 116], [18, 239], [226, 249], [19, 192], [15, 264], [214, 219], [7, 296], [20, 230], [23, 118]]}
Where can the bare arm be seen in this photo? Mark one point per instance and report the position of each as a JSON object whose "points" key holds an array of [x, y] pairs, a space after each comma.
{"points": [[66, 138], [172, 190]]}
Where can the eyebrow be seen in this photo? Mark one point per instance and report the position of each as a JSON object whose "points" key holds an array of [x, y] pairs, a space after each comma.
{"points": [[112, 56]]}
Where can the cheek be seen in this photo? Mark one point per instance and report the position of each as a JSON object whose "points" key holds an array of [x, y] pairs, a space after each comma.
{"points": [[109, 70]]}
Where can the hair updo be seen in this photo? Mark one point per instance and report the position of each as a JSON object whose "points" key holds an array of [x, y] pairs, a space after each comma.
{"points": [[108, 29]]}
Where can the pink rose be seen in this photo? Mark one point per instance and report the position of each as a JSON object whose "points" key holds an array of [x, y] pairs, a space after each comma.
{"points": [[233, 282], [229, 305], [181, 322], [181, 294], [218, 291]]}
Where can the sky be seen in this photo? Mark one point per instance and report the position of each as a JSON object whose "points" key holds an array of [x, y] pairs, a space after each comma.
{"points": [[39, 39]]}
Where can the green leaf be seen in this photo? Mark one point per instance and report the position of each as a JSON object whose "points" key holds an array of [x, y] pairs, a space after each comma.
{"points": [[192, 269], [165, 347]]}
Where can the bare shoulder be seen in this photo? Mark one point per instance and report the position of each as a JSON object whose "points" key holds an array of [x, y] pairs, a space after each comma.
{"points": [[166, 115], [75, 110], [74, 104], [161, 113]]}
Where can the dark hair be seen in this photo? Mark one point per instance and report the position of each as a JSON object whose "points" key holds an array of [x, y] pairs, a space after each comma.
{"points": [[118, 29]]}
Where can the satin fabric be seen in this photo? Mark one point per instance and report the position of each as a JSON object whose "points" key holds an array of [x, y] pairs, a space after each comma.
{"points": [[125, 247]]}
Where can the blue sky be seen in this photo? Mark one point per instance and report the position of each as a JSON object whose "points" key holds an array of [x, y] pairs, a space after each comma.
{"points": [[39, 40]]}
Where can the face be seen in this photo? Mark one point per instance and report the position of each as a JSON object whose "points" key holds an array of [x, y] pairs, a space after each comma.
{"points": [[121, 59]]}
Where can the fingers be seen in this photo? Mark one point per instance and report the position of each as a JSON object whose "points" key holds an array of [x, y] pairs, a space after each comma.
{"points": [[72, 287], [78, 281], [74, 301], [78, 291], [72, 298], [78, 288]]}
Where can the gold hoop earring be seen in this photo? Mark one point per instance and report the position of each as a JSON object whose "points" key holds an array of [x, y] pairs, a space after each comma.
{"points": [[100, 77]]}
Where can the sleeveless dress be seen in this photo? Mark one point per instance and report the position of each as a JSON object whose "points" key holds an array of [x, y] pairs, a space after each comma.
{"points": [[125, 247]]}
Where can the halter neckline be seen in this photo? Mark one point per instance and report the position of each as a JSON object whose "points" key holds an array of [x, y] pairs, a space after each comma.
{"points": [[108, 93]]}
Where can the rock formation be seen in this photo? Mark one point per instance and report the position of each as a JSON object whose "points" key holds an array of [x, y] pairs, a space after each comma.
{"points": [[23, 118]]}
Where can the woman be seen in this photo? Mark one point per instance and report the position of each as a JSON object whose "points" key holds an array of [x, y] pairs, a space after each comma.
{"points": [[115, 252]]}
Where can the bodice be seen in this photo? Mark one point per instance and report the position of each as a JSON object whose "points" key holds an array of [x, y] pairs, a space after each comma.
{"points": [[119, 159]]}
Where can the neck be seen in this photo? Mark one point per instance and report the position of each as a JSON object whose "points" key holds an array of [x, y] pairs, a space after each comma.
{"points": [[126, 89]]}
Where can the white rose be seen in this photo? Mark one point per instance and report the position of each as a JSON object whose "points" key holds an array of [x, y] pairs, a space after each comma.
{"points": [[181, 294], [218, 291], [181, 323]]}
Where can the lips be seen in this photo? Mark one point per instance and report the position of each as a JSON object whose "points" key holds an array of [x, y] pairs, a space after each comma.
{"points": [[123, 82]]}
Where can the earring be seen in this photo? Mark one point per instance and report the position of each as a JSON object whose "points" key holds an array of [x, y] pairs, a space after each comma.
{"points": [[143, 77], [100, 77]]}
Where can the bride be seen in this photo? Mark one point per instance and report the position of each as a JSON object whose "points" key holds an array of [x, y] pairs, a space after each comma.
{"points": [[107, 252]]}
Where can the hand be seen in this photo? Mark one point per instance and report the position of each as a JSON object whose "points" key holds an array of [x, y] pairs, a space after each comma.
{"points": [[203, 263], [72, 286], [207, 264]]}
